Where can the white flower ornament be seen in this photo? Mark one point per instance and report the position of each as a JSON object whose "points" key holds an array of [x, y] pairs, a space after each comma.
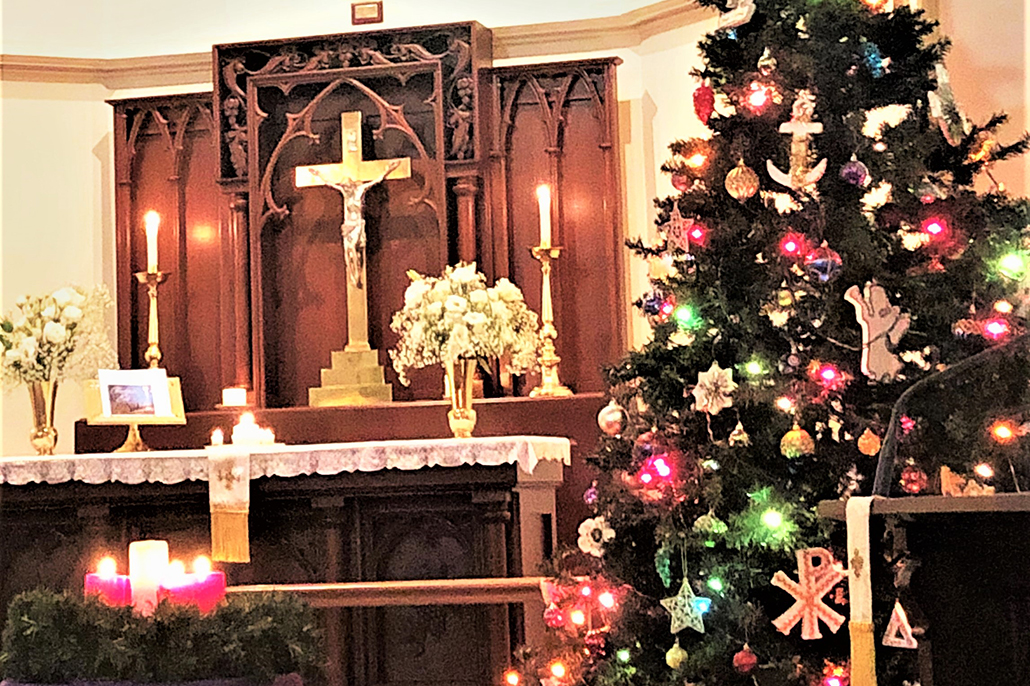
{"points": [[593, 534], [714, 390]]}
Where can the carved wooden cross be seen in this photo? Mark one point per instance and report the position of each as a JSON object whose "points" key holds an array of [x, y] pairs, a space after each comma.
{"points": [[352, 177]]}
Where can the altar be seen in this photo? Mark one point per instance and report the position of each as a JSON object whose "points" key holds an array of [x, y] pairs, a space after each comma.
{"points": [[364, 511]]}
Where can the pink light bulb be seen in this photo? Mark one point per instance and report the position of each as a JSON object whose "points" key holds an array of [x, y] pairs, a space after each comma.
{"points": [[607, 600], [646, 478], [996, 328], [662, 467]]}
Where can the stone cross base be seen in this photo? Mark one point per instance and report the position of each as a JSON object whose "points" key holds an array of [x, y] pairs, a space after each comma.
{"points": [[355, 378]]}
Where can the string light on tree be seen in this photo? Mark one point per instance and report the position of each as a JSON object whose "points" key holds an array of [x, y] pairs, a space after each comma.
{"points": [[716, 584], [996, 328], [1003, 431], [558, 670], [1014, 265], [935, 227], [786, 404], [512, 678], [623, 655], [794, 246], [607, 600], [836, 675], [984, 471]]}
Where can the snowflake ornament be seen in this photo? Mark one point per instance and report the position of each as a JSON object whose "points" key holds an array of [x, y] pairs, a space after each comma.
{"points": [[714, 390]]}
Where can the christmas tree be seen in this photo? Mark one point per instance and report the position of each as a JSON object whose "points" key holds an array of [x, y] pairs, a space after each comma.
{"points": [[825, 253]]}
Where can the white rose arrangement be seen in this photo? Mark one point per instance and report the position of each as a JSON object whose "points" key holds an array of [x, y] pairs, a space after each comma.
{"points": [[56, 336], [456, 316]]}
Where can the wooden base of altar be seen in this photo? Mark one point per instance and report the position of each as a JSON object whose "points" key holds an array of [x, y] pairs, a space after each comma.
{"points": [[969, 594], [355, 378]]}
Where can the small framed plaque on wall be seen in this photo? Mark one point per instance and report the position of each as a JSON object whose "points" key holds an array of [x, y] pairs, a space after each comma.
{"points": [[366, 12]]}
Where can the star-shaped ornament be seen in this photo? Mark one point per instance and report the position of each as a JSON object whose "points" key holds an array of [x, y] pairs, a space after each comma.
{"points": [[686, 610]]}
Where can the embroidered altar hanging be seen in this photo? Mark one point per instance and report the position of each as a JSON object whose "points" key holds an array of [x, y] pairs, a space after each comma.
{"points": [[229, 492]]}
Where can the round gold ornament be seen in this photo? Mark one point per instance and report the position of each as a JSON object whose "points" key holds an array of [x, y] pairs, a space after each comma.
{"points": [[675, 656], [869, 443], [742, 182], [797, 442]]}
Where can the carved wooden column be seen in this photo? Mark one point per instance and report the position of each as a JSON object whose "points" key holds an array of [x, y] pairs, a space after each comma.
{"points": [[466, 188], [239, 241], [333, 508], [496, 519]]}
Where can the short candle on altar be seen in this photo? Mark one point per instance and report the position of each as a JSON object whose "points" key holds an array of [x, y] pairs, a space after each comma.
{"points": [[543, 196], [108, 585], [151, 221]]}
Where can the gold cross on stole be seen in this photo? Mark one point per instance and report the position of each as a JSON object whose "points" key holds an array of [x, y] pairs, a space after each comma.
{"points": [[352, 177]]}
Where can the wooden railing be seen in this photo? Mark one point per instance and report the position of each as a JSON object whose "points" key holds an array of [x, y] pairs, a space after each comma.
{"points": [[497, 591]]}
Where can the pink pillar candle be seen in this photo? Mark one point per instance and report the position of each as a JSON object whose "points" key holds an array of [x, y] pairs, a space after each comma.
{"points": [[115, 591], [209, 590]]}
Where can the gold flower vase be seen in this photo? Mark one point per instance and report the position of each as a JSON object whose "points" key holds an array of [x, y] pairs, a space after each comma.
{"points": [[43, 396], [461, 376]]}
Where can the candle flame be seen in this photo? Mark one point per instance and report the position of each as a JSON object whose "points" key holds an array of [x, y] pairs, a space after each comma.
{"points": [[107, 568], [151, 220], [176, 569], [247, 418], [202, 565], [543, 192]]}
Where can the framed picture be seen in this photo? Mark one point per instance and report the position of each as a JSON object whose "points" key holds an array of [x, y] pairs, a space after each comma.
{"points": [[366, 12], [134, 396]]}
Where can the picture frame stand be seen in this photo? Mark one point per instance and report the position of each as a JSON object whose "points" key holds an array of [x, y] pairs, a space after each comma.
{"points": [[165, 392]]}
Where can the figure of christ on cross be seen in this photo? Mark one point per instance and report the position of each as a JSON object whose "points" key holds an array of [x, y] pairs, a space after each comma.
{"points": [[353, 227], [353, 177]]}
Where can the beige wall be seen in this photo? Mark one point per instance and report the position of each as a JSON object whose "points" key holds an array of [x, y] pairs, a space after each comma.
{"points": [[56, 182]]}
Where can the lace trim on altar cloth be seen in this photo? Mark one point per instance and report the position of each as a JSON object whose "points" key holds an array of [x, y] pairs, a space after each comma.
{"points": [[175, 466]]}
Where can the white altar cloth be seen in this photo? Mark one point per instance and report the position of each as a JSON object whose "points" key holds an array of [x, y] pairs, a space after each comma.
{"points": [[175, 466]]}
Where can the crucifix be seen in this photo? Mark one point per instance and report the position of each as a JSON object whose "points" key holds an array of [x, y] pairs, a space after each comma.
{"points": [[352, 177]]}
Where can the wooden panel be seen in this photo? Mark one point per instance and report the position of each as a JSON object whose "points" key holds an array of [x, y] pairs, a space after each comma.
{"points": [[166, 161], [555, 123], [299, 294], [461, 49]]}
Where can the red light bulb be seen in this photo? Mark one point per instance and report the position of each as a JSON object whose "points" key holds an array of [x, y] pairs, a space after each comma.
{"points": [[662, 467], [935, 227], [698, 233], [759, 97], [793, 245], [996, 328]]}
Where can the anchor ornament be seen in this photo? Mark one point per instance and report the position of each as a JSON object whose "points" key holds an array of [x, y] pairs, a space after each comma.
{"points": [[802, 128]]}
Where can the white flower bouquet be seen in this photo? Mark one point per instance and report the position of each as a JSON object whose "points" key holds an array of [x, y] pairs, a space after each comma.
{"points": [[56, 336], [456, 316]]}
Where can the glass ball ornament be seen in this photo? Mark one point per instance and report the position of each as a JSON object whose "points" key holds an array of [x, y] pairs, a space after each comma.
{"points": [[742, 182], [652, 304], [869, 443], [823, 264], [704, 102], [612, 419], [797, 442], [913, 479], [681, 182], [745, 661], [855, 173]]}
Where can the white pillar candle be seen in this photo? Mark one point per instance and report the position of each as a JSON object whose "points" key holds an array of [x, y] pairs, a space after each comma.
{"points": [[148, 567], [543, 196], [151, 220]]}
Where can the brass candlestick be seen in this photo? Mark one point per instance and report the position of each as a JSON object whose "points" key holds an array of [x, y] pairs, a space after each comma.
{"points": [[550, 386], [152, 281]]}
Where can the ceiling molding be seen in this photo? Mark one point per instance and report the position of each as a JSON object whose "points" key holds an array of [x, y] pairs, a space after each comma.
{"points": [[131, 72], [626, 30]]}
